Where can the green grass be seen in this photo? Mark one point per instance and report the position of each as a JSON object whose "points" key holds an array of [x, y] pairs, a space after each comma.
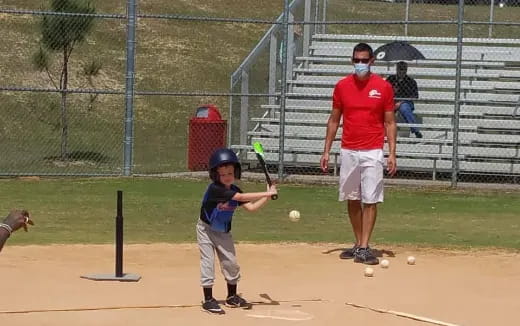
{"points": [[171, 56], [165, 210]]}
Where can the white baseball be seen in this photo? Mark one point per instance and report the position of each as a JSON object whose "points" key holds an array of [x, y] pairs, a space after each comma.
{"points": [[369, 272], [294, 216], [384, 263], [501, 5], [411, 260]]}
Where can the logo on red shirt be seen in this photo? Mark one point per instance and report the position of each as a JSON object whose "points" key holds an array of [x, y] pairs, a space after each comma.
{"points": [[374, 93]]}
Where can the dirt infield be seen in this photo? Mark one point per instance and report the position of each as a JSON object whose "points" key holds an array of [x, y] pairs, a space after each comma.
{"points": [[289, 283]]}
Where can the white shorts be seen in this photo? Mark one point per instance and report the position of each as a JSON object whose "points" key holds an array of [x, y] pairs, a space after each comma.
{"points": [[361, 175]]}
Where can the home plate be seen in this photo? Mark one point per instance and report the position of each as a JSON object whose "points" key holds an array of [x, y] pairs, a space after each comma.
{"points": [[283, 315]]}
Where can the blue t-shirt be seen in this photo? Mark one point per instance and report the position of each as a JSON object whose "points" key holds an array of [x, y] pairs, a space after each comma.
{"points": [[217, 206]]}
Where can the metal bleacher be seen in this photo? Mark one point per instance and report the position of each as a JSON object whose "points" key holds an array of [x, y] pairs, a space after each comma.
{"points": [[489, 120]]}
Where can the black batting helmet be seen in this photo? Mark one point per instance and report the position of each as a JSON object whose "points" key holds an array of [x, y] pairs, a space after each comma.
{"points": [[220, 157]]}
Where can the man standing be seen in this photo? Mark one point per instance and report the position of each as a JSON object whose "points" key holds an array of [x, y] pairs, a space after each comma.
{"points": [[366, 103], [405, 88]]}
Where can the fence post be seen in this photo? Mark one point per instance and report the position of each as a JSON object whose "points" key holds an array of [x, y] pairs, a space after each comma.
{"points": [[306, 30], [491, 17], [283, 89], [129, 86], [316, 16], [244, 107], [406, 17], [324, 18], [456, 118], [230, 115], [290, 46], [273, 61]]}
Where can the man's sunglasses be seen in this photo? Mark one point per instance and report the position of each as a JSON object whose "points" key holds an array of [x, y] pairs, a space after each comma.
{"points": [[356, 60]]}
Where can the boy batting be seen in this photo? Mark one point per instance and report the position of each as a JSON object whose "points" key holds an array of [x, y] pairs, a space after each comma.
{"points": [[220, 200]]}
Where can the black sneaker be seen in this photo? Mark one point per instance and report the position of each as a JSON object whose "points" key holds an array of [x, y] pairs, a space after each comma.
{"points": [[235, 301], [348, 253], [213, 307], [365, 256], [418, 134]]}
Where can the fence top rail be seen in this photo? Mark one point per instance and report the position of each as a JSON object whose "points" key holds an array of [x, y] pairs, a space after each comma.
{"points": [[428, 39]]}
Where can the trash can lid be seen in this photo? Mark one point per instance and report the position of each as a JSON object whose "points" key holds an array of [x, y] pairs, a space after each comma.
{"points": [[209, 112]]}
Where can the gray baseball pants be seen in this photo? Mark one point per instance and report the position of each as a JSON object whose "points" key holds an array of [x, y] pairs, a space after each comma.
{"points": [[221, 243]]}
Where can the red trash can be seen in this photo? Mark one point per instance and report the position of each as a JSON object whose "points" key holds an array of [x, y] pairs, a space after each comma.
{"points": [[207, 132]]}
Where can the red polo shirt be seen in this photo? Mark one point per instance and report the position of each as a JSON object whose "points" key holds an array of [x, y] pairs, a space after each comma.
{"points": [[363, 105]]}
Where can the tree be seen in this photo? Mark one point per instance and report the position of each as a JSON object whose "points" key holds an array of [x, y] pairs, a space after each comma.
{"points": [[61, 34]]}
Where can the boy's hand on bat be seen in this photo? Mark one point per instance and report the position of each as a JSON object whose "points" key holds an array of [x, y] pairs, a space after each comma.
{"points": [[272, 189]]}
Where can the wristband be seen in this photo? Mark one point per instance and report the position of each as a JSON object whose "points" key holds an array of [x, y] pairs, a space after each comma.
{"points": [[7, 227]]}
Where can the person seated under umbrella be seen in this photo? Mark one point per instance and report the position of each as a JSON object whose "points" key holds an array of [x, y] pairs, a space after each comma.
{"points": [[405, 88]]}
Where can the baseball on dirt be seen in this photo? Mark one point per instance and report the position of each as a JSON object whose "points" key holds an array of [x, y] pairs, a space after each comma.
{"points": [[294, 216], [411, 260], [385, 263], [369, 272]]}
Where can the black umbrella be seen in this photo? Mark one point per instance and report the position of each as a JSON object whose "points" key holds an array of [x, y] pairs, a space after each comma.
{"points": [[398, 51]]}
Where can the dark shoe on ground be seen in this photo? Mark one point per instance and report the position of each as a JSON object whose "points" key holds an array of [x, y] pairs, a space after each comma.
{"points": [[213, 307], [418, 134], [236, 301], [348, 253], [365, 256]]}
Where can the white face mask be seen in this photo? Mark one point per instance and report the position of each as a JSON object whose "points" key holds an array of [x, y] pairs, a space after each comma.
{"points": [[361, 69]]}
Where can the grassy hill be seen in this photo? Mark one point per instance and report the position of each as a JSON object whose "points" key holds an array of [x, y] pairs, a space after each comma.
{"points": [[172, 55]]}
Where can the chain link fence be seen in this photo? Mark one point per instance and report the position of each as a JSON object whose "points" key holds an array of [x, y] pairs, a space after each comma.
{"points": [[95, 88], [62, 79]]}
